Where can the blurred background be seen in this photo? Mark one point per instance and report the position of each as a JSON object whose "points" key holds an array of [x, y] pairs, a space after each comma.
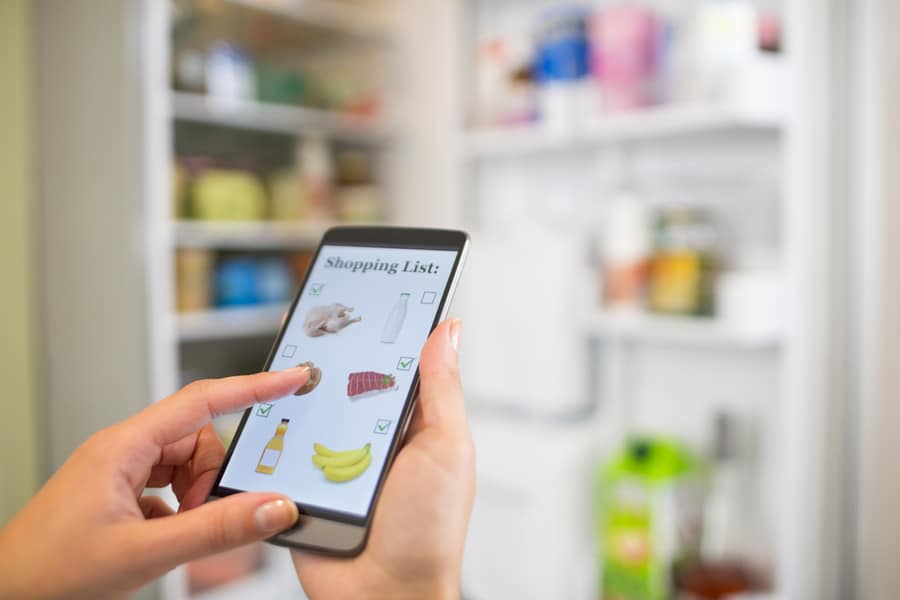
{"points": [[681, 306]]}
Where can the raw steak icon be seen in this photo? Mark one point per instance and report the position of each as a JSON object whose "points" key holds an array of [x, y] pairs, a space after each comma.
{"points": [[367, 383]]}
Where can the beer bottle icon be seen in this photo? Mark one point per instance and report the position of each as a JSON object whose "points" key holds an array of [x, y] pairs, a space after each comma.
{"points": [[271, 454]]}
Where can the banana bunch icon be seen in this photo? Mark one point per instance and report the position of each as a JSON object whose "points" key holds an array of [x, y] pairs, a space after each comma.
{"points": [[343, 465]]}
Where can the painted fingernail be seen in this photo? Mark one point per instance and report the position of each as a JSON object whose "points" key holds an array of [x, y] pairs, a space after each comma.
{"points": [[276, 515], [455, 330]]}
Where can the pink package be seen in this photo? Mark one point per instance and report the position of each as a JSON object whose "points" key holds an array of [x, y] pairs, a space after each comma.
{"points": [[625, 56]]}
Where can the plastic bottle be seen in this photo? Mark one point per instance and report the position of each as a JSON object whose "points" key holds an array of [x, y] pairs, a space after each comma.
{"points": [[561, 69], [395, 320], [236, 282], [273, 281], [230, 77], [271, 454], [628, 55], [726, 566], [626, 253], [317, 171]]}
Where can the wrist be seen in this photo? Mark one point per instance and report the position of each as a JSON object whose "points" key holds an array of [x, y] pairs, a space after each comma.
{"points": [[432, 590], [428, 584]]}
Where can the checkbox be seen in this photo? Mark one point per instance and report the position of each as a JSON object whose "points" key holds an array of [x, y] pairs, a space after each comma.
{"points": [[264, 410], [289, 351], [428, 297], [405, 363], [382, 427], [315, 289]]}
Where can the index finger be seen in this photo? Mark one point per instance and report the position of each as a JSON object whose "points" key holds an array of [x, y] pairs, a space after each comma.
{"points": [[190, 408]]}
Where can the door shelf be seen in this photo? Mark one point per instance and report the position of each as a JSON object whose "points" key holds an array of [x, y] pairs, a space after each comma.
{"points": [[250, 235], [685, 331], [230, 323], [337, 17], [276, 118], [649, 124]]}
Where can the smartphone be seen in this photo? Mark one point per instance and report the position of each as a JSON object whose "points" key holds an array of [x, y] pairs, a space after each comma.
{"points": [[370, 299]]}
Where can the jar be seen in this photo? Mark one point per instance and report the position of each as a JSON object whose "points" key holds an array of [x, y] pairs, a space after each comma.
{"points": [[684, 263]]}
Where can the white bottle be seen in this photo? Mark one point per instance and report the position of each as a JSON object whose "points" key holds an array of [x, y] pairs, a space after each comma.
{"points": [[317, 170], [395, 321], [229, 75], [626, 251]]}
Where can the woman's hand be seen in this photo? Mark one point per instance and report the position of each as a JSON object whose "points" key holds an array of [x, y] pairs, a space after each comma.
{"points": [[416, 542], [91, 533]]}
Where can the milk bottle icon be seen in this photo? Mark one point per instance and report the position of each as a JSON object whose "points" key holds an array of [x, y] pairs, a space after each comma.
{"points": [[395, 320]]}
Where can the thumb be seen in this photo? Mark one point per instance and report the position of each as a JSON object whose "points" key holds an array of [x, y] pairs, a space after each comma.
{"points": [[217, 526], [441, 398]]}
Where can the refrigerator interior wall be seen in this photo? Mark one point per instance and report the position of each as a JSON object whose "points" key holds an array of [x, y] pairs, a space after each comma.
{"points": [[555, 185]]}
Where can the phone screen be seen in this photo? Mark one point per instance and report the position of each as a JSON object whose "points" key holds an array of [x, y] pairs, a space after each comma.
{"points": [[359, 324]]}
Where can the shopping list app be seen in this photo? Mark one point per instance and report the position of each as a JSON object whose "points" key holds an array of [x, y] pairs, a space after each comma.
{"points": [[359, 326]]}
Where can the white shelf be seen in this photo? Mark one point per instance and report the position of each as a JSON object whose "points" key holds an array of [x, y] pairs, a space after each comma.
{"points": [[687, 331], [253, 235], [230, 323], [338, 17], [640, 125], [276, 118]]}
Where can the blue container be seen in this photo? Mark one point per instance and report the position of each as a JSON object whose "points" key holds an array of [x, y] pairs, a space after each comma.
{"points": [[563, 52], [237, 282], [274, 283]]}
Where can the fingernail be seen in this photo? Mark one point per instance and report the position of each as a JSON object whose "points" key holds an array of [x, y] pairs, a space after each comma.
{"points": [[455, 330], [298, 369], [276, 515]]}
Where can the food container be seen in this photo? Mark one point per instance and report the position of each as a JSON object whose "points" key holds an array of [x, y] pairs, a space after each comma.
{"points": [[684, 264], [649, 516], [228, 195], [193, 271], [236, 282], [561, 69]]}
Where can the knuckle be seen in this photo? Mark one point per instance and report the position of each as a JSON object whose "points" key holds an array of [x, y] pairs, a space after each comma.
{"points": [[199, 386], [219, 535], [101, 441], [430, 368], [97, 439], [445, 378], [258, 395], [454, 374]]}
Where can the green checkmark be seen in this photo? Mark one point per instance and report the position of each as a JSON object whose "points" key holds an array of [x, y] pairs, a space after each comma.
{"points": [[264, 410], [382, 426]]}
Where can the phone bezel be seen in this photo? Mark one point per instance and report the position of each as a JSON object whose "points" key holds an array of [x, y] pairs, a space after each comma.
{"points": [[335, 532]]}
